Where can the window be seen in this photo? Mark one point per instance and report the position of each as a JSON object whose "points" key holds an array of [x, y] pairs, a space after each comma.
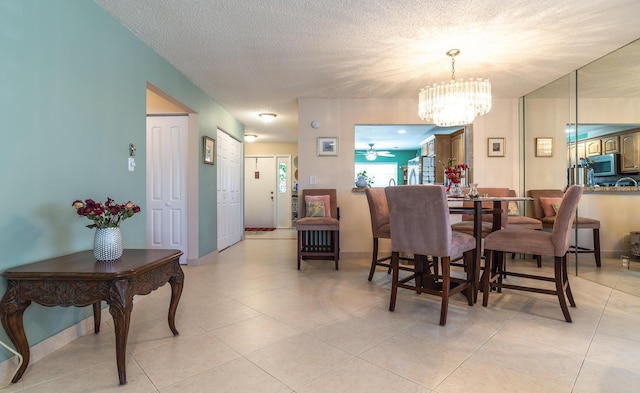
{"points": [[382, 173], [282, 178]]}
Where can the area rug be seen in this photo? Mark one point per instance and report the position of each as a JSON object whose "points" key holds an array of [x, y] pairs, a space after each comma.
{"points": [[259, 229]]}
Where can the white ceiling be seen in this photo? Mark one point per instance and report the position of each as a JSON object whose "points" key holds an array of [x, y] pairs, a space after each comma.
{"points": [[256, 56]]}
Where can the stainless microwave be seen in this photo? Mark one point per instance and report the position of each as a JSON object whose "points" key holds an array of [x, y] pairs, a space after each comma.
{"points": [[605, 165]]}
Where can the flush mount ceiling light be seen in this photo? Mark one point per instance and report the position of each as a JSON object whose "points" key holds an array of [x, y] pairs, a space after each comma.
{"points": [[268, 117], [250, 137], [456, 102]]}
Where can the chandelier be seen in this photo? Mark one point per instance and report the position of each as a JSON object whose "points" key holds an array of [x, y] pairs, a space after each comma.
{"points": [[456, 102]]}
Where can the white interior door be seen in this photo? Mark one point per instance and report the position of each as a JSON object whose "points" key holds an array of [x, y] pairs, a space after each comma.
{"points": [[229, 163], [166, 183], [260, 187]]}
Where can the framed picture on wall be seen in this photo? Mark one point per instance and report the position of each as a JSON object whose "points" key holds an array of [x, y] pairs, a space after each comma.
{"points": [[495, 147], [544, 147], [327, 146], [209, 150]]}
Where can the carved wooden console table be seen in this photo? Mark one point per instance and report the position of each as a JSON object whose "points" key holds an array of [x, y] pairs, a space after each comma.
{"points": [[78, 280]]}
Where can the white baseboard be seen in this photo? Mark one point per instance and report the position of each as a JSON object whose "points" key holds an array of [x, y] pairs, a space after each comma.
{"points": [[209, 258]]}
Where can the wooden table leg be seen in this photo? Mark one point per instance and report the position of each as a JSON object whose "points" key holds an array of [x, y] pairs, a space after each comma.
{"points": [[176, 281], [120, 305], [11, 312], [477, 233], [97, 315]]}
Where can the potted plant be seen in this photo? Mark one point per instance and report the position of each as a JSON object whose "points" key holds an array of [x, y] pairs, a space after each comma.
{"points": [[363, 180]]}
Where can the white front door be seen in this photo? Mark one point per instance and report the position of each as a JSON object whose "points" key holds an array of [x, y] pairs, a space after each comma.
{"points": [[166, 183], [260, 187], [229, 163]]}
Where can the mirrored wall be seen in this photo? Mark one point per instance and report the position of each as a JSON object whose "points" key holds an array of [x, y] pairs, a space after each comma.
{"points": [[589, 116]]}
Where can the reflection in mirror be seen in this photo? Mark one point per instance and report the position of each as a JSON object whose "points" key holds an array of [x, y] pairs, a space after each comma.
{"points": [[594, 155], [596, 110], [409, 154]]}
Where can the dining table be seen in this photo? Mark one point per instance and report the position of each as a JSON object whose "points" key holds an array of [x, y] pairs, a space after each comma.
{"points": [[479, 208]]}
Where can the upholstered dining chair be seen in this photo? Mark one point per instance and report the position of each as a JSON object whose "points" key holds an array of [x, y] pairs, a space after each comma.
{"points": [[517, 221], [380, 228], [543, 209], [419, 216], [319, 226], [555, 243]]}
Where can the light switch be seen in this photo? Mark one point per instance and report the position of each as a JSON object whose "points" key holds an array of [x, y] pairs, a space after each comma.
{"points": [[312, 180], [132, 164]]}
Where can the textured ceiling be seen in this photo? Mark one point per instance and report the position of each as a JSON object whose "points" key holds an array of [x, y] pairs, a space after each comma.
{"points": [[257, 56]]}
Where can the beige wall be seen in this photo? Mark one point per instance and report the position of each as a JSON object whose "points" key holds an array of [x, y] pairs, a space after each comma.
{"points": [[337, 118], [257, 148], [271, 149]]}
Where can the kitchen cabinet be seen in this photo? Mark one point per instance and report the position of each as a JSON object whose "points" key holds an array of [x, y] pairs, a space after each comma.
{"points": [[439, 148], [442, 147], [457, 146], [593, 147], [610, 145], [571, 153], [630, 153], [442, 152], [429, 148]]}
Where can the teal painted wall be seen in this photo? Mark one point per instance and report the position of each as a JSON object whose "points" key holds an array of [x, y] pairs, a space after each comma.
{"points": [[401, 158], [73, 96]]}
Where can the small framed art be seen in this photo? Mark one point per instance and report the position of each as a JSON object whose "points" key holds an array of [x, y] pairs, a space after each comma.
{"points": [[327, 146], [544, 147], [495, 147], [209, 150]]}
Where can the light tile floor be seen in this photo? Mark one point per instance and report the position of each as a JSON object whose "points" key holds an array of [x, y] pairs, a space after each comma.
{"points": [[250, 322]]}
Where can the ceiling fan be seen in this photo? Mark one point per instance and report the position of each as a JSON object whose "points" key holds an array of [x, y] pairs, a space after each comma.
{"points": [[372, 154]]}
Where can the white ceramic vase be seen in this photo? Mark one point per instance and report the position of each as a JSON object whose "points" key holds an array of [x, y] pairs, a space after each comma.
{"points": [[107, 244]]}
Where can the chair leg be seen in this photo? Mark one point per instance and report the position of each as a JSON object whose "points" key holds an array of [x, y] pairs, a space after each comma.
{"points": [[557, 267], [394, 280], [336, 245], [498, 264], [486, 276], [539, 260], [472, 276], [565, 280], [374, 258], [446, 286], [596, 246], [299, 248], [475, 255]]}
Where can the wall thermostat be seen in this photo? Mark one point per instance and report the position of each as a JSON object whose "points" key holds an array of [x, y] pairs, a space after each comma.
{"points": [[315, 124]]}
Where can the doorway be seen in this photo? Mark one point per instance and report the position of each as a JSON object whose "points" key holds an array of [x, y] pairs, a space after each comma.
{"points": [[268, 191]]}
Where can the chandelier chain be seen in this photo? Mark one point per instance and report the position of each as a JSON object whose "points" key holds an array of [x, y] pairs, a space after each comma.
{"points": [[453, 68]]}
